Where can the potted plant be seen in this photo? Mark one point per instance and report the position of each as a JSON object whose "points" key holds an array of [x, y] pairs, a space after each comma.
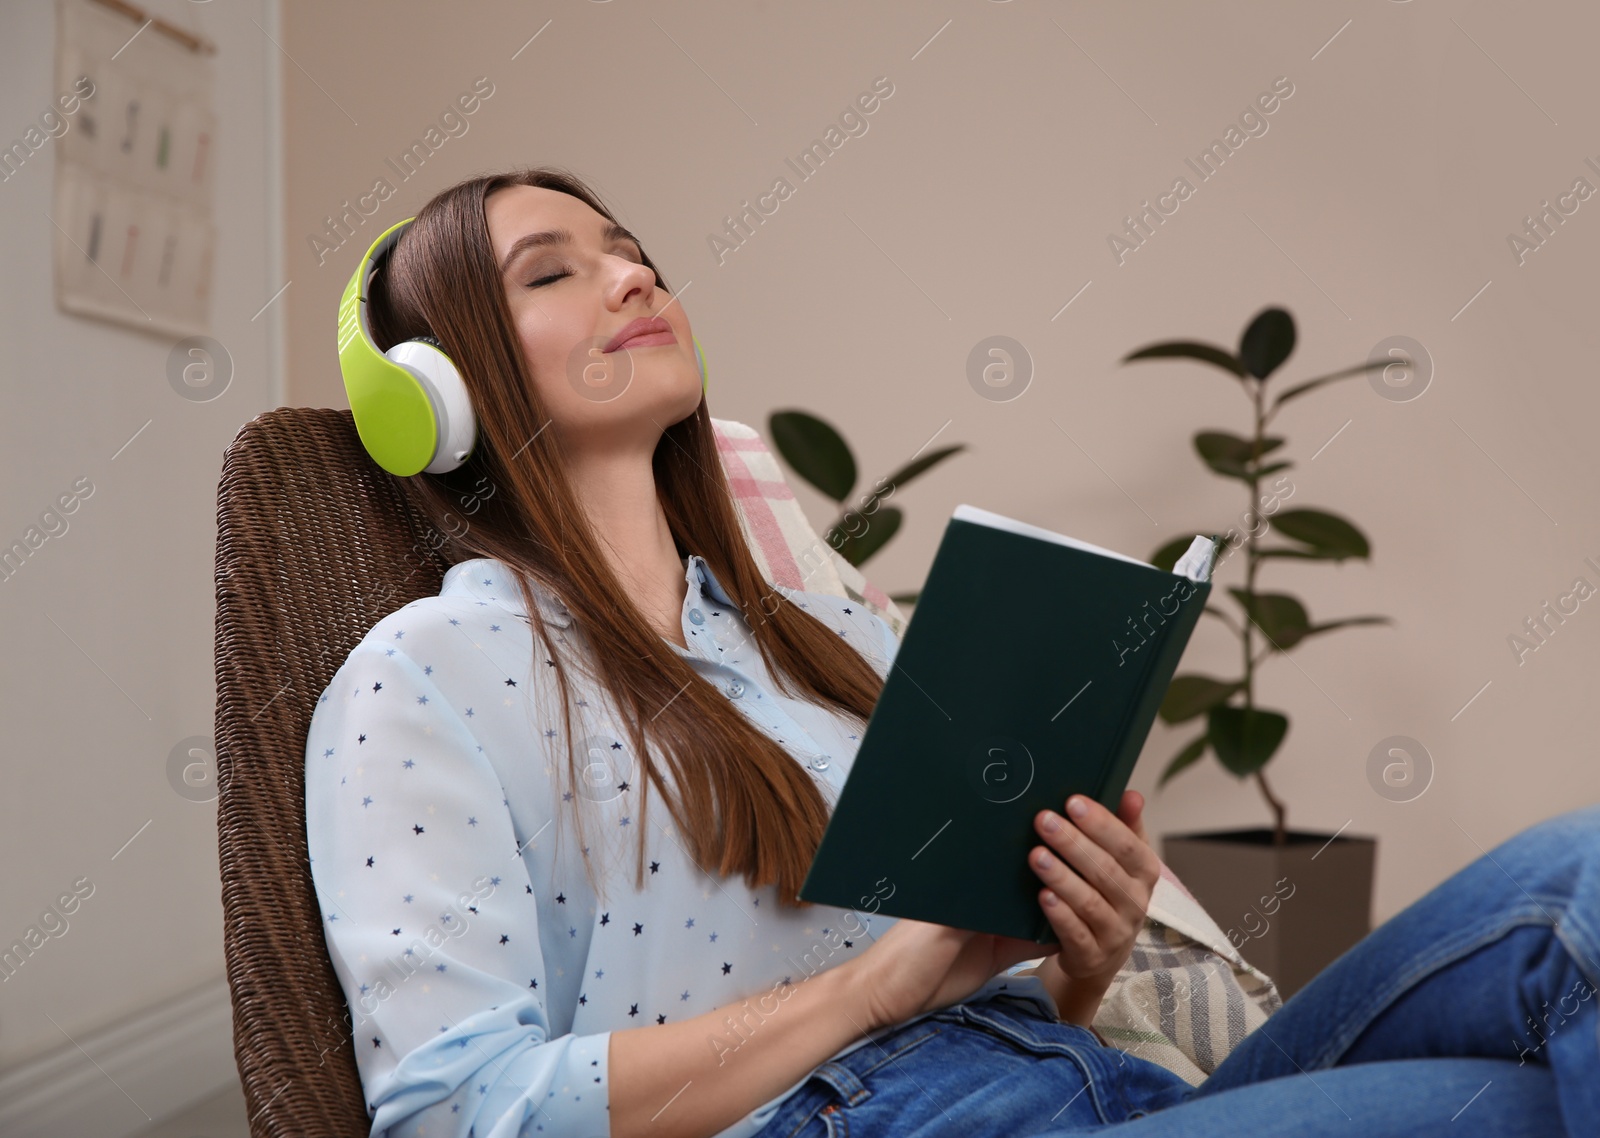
{"points": [[1290, 900]]}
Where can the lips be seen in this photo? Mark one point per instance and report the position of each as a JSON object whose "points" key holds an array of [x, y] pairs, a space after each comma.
{"points": [[642, 333]]}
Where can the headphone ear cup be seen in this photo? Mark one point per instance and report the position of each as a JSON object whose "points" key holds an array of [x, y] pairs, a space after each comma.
{"points": [[456, 426], [409, 404]]}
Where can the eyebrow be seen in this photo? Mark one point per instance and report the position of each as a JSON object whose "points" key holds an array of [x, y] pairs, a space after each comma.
{"points": [[559, 236]]}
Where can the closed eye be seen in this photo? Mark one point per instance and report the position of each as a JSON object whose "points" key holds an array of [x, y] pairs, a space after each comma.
{"points": [[542, 281]]}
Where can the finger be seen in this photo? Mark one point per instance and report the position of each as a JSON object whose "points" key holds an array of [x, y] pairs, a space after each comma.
{"points": [[1098, 867], [1080, 944], [1096, 848], [1101, 914], [1108, 832]]}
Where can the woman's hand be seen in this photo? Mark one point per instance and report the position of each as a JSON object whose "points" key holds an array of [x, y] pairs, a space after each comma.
{"points": [[918, 966], [1099, 872]]}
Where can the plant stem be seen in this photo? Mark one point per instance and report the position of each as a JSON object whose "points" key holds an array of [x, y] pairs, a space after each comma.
{"points": [[1252, 562], [1250, 554], [1280, 834]]}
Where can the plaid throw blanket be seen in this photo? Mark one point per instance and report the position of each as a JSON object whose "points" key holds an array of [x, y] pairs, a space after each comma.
{"points": [[1186, 997], [785, 546]]}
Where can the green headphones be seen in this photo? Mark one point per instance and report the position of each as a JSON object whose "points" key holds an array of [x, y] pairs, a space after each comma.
{"points": [[410, 403]]}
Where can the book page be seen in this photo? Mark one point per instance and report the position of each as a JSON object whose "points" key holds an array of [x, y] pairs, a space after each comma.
{"points": [[1196, 561], [999, 521]]}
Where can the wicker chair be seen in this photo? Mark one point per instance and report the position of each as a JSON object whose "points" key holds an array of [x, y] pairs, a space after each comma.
{"points": [[310, 533], [315, 544]]}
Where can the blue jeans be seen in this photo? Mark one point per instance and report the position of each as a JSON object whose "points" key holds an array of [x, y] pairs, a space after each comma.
{"points": [[1470, 1013]]}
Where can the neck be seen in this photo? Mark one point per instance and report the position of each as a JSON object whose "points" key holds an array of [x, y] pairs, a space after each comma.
{"points": [[617, 491]]}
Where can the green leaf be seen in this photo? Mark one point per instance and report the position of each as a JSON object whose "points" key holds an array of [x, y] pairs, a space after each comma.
{"points": [[1244, 738], [1282, 618], [1230, 455], [1188, 349], [860, 535], [1267, 342], [905, 598], [1273, 468], [815, 451], [1192, 750], [916, 466], [1330, 625], [1303, 554], [1193, 694], [886, 487], [1300, 389], [1167, 556], [1328, 534]]}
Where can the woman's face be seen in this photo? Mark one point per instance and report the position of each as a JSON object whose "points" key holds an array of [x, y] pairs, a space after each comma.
{"points": [[571, 294]]}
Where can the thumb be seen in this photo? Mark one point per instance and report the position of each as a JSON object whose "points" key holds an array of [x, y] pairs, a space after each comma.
{"points": [[1131, 812]]}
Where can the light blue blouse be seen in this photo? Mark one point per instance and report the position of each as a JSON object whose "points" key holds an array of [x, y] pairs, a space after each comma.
{"points": [[482, 973]]}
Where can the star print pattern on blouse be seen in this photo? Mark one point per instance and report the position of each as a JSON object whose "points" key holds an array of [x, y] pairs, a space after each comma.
{"points": [[483, 973]]}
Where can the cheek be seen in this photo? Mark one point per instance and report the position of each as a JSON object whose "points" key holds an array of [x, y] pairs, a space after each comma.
{"points": [[546, 344], [541, 348], [573, 378]]}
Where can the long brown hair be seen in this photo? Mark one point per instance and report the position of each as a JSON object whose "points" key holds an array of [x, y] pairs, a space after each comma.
{"points": [[741, 801]]}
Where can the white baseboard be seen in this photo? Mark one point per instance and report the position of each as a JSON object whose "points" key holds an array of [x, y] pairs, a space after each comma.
{"points": [[123, 1078]]}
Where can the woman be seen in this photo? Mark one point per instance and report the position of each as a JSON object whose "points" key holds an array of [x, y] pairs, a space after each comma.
{"points": [[508, 976]]}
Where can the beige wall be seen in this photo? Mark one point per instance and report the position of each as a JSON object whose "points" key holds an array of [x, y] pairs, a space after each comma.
{"points": [[980, 201], [107, 627]]}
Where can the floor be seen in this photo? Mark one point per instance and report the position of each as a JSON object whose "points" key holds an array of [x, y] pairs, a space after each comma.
{"points": [[220, 1116]]}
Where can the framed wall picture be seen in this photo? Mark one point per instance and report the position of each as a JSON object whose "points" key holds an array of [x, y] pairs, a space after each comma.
{"points": [[136, 144]]}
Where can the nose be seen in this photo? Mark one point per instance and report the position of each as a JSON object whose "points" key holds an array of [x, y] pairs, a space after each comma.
{"points": [[631, 278]]}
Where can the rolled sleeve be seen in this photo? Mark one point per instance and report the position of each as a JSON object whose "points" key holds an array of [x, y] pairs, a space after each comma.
{"points": [[430, 918]]}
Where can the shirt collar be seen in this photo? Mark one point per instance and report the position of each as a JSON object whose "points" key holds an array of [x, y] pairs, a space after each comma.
{"points": [[700, 576], [491, 580]]}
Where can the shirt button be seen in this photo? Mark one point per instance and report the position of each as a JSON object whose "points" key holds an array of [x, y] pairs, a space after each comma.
{"points": [[735, 689], [819, 762], [697, 616]]}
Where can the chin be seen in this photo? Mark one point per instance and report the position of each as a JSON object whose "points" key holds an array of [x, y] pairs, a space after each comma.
{"points": [[691, 401], [687, 383]]}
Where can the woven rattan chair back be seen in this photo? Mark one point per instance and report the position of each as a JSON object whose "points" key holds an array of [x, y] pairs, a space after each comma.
{"points": [[315, 545]]}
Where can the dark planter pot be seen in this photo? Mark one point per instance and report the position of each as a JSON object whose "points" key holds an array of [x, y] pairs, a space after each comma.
{"points": [[1291, 910]]}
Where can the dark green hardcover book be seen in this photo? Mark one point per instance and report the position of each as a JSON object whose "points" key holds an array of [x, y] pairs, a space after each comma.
{"points": [[1031, 669]]}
